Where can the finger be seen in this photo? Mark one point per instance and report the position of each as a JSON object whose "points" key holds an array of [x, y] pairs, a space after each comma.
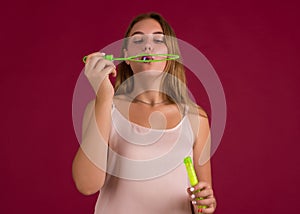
{"points": [[101, 64], [190, 190], [200, 210], [208, 210], [207, 202], [89, 67], [204, 193], [114, 72], [97, 63], [201, 185], [88, 57], [94, 59], [109, 70]]}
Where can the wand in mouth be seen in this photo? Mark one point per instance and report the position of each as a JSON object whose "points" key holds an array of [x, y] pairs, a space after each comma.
{"points": [[147, 58], [142, 58]]}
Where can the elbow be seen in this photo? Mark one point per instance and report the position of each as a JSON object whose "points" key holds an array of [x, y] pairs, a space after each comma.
{"points": [[87, 178], [87, 189], [86, 192], [87, 186]]}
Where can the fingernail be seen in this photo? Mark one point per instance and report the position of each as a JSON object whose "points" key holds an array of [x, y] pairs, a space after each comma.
{"points": [[193, 196], [194, 202], [192, 189], [200, 210]]}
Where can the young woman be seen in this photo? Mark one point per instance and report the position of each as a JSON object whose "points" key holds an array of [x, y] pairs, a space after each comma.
{"points": [[136, 134]]}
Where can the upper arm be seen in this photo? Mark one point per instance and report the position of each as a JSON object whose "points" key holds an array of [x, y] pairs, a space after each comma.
{"points": [[201, 148]]}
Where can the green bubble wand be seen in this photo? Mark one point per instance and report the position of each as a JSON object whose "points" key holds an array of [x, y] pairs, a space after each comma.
{"points": [[192, 175], [141, 58]]}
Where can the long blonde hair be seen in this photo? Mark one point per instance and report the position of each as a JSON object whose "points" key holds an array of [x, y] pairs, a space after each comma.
{"points": [[176, 87]]}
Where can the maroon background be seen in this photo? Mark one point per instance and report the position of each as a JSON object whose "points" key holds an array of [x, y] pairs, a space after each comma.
{"points": [[254, 47]]}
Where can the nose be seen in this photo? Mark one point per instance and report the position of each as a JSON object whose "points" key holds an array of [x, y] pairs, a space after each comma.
{"points": [[148, 46]]}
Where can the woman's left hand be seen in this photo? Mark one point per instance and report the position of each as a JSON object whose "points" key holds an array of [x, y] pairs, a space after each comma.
{"points": [[202, 194]]}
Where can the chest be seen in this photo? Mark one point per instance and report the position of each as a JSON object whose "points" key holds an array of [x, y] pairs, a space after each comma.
{"points": [[161, 117]]}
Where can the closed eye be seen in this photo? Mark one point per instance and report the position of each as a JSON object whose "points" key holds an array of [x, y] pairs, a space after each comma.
{"points": [[159, 39], [138, 41]]}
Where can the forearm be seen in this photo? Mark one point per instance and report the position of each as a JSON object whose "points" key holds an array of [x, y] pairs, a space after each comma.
{"points": [[87, 176], [103, 108], [89, 165]]}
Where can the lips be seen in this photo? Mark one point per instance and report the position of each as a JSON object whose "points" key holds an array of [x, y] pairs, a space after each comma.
{"points": [[146, 58]]}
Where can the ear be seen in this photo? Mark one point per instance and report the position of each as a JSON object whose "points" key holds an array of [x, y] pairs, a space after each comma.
{"points": [[126, 55]]}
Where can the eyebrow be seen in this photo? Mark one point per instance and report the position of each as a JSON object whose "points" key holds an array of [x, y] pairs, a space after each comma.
{"points": [[140, 32]]}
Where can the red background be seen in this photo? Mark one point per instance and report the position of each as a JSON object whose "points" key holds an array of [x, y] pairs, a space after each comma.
{"points": [[254, 47]]}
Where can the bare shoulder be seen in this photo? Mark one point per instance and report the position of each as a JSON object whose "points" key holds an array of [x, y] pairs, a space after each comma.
{"points": [[202, 142], [202, 113], [199, 120]]}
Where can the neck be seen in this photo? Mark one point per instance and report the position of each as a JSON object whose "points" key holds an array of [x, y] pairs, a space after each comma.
{"points": [[147, 88], [147, 81]]}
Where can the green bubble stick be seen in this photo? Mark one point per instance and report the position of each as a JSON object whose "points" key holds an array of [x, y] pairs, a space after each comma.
{"points": [[141, 58], [192, 175]]}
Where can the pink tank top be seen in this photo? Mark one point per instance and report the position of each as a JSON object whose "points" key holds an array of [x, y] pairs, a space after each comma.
{"points": [[145, 170]]}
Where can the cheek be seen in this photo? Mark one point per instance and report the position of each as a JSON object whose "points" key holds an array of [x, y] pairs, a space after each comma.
{"points": [[160, 48], [163, 50], [133, 50]]}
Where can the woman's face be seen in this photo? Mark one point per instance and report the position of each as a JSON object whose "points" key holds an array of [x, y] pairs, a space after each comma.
{"points": [[146, 37]]}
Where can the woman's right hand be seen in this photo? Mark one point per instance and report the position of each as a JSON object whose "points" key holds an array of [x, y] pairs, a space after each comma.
{"points": [[97, 70]]}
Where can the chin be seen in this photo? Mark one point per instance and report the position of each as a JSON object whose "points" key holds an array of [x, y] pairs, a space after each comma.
{"points": [[149, 75], [148, 67]]}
